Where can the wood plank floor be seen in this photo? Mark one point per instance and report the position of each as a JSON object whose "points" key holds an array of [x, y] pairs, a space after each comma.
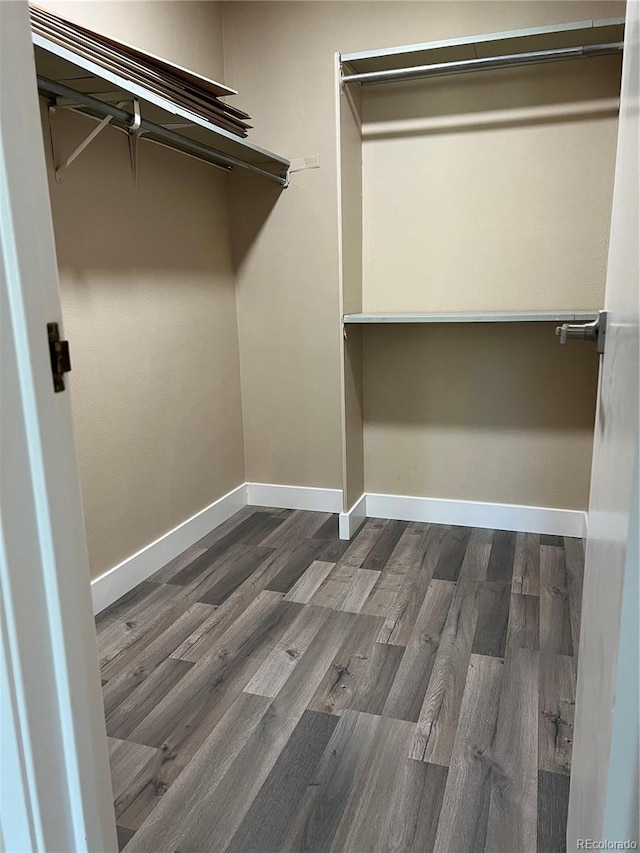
{"points": [[274, 689]]}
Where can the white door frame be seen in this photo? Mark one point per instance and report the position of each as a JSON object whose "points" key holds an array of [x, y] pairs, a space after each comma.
{"points": [[604, 770], [55, 789]]}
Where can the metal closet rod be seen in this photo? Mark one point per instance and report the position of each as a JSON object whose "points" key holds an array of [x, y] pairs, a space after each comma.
{"points": [[191, 146], [440, 69]]}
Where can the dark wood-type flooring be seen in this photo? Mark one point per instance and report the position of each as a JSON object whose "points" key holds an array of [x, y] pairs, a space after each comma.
{"points": [[275, 689]]}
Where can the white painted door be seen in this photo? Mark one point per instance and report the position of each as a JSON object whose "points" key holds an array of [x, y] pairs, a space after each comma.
{"points": [[611, 559], [55, 790]]}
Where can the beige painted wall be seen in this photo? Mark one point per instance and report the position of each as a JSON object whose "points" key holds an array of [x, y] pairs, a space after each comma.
{"points": [[280, 55], [490, 191], [480, 412], [149, 307]]}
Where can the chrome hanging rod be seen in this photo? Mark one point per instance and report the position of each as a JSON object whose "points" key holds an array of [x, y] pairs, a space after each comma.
{"points": [[156, 132], [440, 69]]}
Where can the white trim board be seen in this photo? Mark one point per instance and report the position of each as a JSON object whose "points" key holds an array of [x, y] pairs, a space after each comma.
{"points": [[294, 497], [122, 578], [113, 584], [353, 518], [530, 519]]}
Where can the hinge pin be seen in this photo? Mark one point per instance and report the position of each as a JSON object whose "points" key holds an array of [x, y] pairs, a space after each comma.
{"points": [[59, 355]]}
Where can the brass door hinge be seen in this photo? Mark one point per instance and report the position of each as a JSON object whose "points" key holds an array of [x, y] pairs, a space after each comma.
{"points": [[59, 355]]}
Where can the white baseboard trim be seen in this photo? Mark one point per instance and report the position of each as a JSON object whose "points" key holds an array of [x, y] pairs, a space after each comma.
{"points": [[351, 520], [532, 519], [294, 497], [113, 584], [122, 578]]}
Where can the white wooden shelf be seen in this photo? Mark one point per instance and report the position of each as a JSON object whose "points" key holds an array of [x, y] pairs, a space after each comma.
{"points": [[62, 66], [474, 317], [556, 37]]}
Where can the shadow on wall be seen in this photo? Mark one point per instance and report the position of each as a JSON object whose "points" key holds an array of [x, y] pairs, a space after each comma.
{"points": [[493, 375], [107, 221], [587, 84], [251, 202]]}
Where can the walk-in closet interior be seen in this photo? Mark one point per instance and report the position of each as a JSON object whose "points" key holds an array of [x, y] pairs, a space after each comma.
{"points": [[334, 457]]}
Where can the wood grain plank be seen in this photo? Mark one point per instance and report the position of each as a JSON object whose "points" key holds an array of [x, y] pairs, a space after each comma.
{"points": [[144, 698], [574, 560], [476, 560], [553, 806], [363, 542], [524, 622], [207, 635], [329, 530], [452, 550], [295, 562], [124, 836], [249, 532], [410, 548], [438, 719], [248, 641], [120, 686], [159, 817], [282, 660], [493, 619], [368, 812], [229, 525], [385, 544], [462, 827], [503, 548], [481, 536], [514, 758], [171, 569], [205, 569], [212, 627], [557, 697], [373, 686], [302, 591], [383, 598], [555, 620], [341, 770], [265, 825], [399, 626], [241, 569], [182, 721], [410, 685], [333, 549], [526, 564], [346, 588], [119, 610], [298, 526], [132, 766], [122, 642], [415, 809], [339, 683], [207, 818], [548, 539]]}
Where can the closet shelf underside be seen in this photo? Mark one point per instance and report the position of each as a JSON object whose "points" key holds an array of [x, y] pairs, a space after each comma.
{"points": [[61, 65], [553, 37], [474, 317]]}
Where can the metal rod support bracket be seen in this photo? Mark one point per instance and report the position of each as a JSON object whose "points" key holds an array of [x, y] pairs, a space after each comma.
{"points": [[135, 133], [61, 169], [157, 133], [595, 331]]}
